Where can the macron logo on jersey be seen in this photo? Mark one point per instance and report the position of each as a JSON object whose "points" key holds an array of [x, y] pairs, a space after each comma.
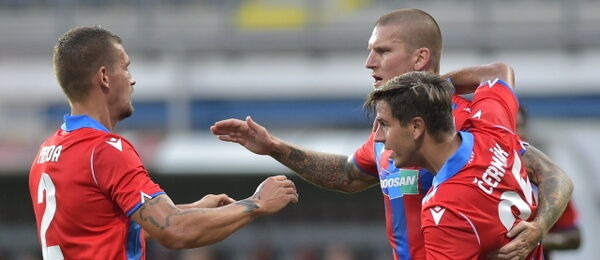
{"points": [[116, 143], [144, 196], [477, 115], [437, 214], [492, 83]]}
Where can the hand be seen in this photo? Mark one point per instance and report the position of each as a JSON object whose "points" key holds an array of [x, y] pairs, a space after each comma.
{"points": [[526, 236], [246, 133], [213, 201], [274, 193]]}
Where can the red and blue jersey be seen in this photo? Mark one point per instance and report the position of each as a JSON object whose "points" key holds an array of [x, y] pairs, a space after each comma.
{"points": [[403, 191], [85, 182], [482, 190]]}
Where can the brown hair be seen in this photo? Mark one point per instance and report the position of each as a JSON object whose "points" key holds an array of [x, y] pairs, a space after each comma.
{"points": [[79, 53], [417, 94]]}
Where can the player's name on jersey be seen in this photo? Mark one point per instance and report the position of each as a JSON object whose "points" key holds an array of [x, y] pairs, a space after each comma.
{"points": [[494, 173], [49, 153]]}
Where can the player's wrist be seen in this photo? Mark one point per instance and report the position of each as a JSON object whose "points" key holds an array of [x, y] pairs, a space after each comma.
{"points": [[541, 225]]}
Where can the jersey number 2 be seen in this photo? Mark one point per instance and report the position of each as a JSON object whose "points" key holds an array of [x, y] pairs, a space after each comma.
{"points": [[46, 184]]}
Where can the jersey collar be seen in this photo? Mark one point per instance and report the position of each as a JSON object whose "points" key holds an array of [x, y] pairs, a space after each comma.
{"points": [[73, 123], [457, 161]]}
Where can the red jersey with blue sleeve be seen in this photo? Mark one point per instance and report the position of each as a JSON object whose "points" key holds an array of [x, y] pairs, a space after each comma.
{"points": [[403, 191], [482, 190], [84, 183]]}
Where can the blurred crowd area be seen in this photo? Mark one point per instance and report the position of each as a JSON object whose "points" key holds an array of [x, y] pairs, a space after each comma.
{"points": [[236, 27]]}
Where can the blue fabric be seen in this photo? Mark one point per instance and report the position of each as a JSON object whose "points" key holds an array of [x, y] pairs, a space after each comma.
{"points": [[73, 123], [457, 161]]}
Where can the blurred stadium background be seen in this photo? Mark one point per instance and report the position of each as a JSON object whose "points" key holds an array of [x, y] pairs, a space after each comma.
{"points": [[297, 68]]}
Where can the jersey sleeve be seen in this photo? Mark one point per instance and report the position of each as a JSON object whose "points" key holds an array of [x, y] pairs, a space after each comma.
{"points": [[364, 157], [461, 108], [118, 171], [495, 102]]}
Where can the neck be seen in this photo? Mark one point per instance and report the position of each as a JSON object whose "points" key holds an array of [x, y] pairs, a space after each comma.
{"points": [[103, 117], [436, 154]]}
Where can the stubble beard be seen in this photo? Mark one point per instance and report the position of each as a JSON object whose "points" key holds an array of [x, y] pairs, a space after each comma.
{"points": [[127, 112]]}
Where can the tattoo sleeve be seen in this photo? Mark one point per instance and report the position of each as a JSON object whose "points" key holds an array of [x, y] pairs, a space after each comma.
{"points": [[329, 171], [554, 185]]}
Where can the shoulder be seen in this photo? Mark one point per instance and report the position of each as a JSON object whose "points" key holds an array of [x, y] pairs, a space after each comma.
{"points": [[114, 146]]}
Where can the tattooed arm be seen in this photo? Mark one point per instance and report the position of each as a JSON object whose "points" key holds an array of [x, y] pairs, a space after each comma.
{"points": [[555, 186], [191, 226], [329, 171], [554, 189]]}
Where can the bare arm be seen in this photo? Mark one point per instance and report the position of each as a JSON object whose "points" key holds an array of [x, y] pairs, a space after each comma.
{"points": [[208, 201], [326, 170], [329, 171], [189, 226], [555, 187], [468, 79]]}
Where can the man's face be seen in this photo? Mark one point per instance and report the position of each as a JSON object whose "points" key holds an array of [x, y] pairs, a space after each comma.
{"points": [[388, 56], [121, 84], [397, 138]]}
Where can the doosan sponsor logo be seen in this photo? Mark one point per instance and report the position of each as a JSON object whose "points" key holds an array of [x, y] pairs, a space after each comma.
{"points": [[398, 181]]}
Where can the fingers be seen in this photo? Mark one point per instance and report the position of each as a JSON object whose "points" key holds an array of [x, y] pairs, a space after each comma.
{"points": [[525, 237], [225, 127], [287, 183], [224, 199], [253, 125], [293, 197], [520, 227], [229, 138], [288, 187]]}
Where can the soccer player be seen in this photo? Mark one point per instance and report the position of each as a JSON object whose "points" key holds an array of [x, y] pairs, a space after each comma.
{"points": [[91, 194], [403, 40], [480, 188]]}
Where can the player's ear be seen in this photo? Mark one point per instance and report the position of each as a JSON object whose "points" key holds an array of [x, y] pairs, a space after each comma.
{"points": [[418, 127], [421, 58], [101, 77]]}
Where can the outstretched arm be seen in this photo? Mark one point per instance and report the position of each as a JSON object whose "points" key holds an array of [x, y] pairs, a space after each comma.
{"points": [[193, 226], [330, 171], [208, 201], [555, 189], [467, 80]]}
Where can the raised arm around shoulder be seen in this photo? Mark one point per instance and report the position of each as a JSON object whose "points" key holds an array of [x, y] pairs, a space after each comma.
{"points": [[554, 186], [554, 192], [188, 227], [467, 80]]}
